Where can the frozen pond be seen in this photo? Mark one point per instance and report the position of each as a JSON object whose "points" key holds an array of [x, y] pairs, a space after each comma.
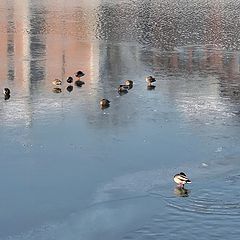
{"points": [[71, 170]]}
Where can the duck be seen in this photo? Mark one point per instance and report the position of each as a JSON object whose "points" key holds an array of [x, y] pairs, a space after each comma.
{"points": [[79, 83], [79, 74], [129, 83], [70, 80], [150, 80], [6, 91], [57, 82], [123, 89], [181, 179], [104, 103]]}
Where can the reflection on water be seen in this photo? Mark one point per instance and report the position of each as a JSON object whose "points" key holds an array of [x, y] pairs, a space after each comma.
{"points": [[162, 24], [67, 164], [202, 81], [181, 192]]}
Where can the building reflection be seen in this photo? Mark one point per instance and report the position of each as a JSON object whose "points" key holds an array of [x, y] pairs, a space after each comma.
{"points": [[31, 58], [41, 42]]}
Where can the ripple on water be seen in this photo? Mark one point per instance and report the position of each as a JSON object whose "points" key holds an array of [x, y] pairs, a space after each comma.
{"points": [[207, 206], [205, 213], [217, 202]]}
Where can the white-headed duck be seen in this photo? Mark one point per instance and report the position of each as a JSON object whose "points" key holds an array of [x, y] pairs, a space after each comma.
{"points": [[181, 179]]}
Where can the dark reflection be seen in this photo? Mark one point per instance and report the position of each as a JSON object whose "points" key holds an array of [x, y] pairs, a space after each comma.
{"points": [[26, 48], [121, 93], [151, 87], [57, 90], [69, 88], [79, 83], [37, 46], [181, 192], [112, 54], [104, 107], [6, 96], [38, 18]]}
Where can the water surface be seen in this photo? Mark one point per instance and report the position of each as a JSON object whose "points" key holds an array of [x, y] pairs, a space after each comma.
{"points": [[70, 170]]}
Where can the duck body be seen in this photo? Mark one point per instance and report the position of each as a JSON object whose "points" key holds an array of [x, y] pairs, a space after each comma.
{"points": [[79, 74], [70, 80], [104, 103], [181, 179], [150, 80], [123, 89], [57, 82], [6, 91]]}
